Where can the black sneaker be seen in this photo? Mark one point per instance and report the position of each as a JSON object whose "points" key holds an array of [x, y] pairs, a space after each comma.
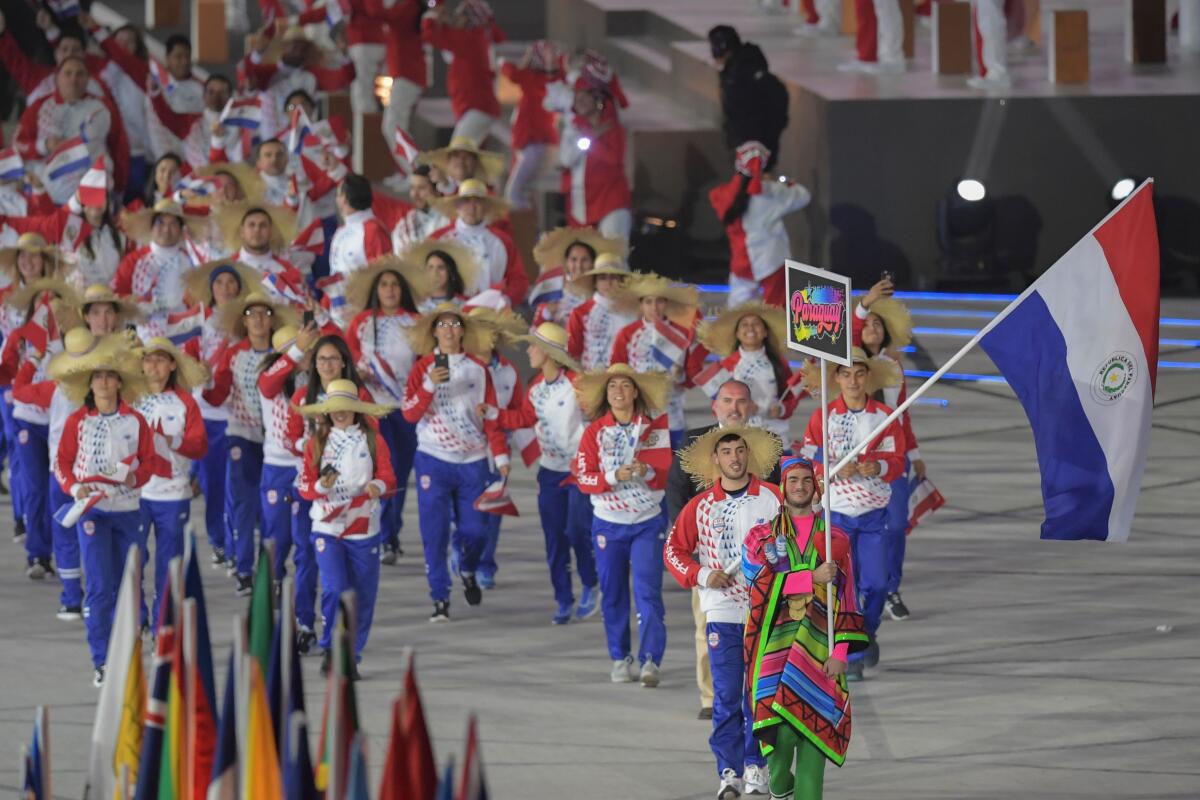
{"points": [[471, 590], [47, 567], [305, 639], [894, 607], [872, 655], [98, 676], [69, 613], [326, 660], [705, 712], [19, 530], [441, 611], [354, 673], [218, 558], [245, 585], [387, 554]]}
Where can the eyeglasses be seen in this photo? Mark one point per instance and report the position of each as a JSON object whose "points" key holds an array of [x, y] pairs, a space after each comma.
{"points": [[258, 311], [329, 360], [449, 324]]}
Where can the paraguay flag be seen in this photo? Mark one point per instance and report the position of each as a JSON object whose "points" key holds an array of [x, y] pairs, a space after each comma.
{"points": [[64, 167], [549, 287], [406, 150], [183, 326], [161, 76], [12, 168], [527, 443], [669, 345], [1080, 349], [473, 786], [333, 289], [243, 112], [923, 499], [710, 379], [301, 135]]}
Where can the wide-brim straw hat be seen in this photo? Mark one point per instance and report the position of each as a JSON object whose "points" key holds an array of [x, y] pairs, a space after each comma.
{"points": [[319, 55], [884, 372], [189, 373], [607, 263], [359, 282], [763, 449], [138, 224], [464, 260], [125, 306], [478, 338], [682, 299], [551, 339], [22, 296], [551, 250], [254, 189], [342, 395], [490, 162], [198, 280], [720, 335], [591, 388], [56, 263], [229, 223], [506, 324], [85, 354], [230, 320], [472, 188], [896, 319]]}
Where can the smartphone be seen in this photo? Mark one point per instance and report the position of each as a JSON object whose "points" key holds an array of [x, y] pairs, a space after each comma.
{"points": [[887, 275], [441, 360], [329, 469], [308, 318]]}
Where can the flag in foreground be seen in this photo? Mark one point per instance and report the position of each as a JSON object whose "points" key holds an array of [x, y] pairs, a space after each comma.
{"points": [[35, 766], [473, 786], [1080, 349]]}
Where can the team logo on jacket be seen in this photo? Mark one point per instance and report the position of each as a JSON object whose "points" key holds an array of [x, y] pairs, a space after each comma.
{"points": [[714, 639], [89, 527], [1113, 377]]}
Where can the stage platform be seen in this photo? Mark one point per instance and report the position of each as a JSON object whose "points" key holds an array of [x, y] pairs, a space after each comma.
{"points": [[878, 152]]}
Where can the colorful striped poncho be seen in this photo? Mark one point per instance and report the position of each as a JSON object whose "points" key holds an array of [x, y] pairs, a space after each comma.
{"points": [[785, 657]]}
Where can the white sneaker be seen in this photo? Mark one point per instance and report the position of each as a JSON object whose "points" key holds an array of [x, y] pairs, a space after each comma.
{"points": [[650, 674], [622, 670], [1003, 83], [855, 66], [886, 68], [755, 779], [731, 786]]}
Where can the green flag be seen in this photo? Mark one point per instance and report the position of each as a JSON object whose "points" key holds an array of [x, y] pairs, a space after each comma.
{"points": [[262, 614]]}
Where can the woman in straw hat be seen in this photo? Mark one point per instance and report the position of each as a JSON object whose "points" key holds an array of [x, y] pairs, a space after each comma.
{"points": [[860, 492], [704, 550], [30, 260], [346, 472], [551, 409], [474, 213], [463, 159], [235, 183], [107, 454], [882, 326], [449, 268], [172, 414], [155, 270], [593, 325], [622, 463], [249, 321], [662, 340], [751, 341], [565, 255], [212, 286], [331, 360], [455, 443]]}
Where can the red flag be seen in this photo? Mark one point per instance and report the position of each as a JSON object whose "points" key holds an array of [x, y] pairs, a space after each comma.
{"points": [[924, 500], [393, 784], [422, 769]]}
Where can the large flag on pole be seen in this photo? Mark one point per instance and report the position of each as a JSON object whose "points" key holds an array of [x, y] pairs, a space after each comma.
{"points": [[35, 766], [201, 714], [117, 732], [1080, 349]]}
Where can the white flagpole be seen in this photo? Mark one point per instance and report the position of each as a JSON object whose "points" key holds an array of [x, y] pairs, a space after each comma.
{"points": [[825, 504]]}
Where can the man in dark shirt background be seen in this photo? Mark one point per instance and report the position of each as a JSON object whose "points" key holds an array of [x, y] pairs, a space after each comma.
{"points": [[753, 101]]}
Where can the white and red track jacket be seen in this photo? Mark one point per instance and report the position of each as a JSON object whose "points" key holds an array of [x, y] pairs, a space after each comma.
{"points": [[297, 431], [45, 395], [382, 353], [712, 526], [531, 123], [559, 311], [758, 240], [190, 135], [96, 252], [591, 330], [235, 385], [285, 284], [179, 439], [594, 179], [53, 117], [634, 345], [892, 395], [449, 427], [35, 79], [279, 448], [605, 447], [857, 495], [42, 328], [208, 348], [415, 226], [154, 276], [346, 510], [360, 238], [280, 80], [405, 53], [470, 81], [500, 262], [552, 410], [753, 368], [101, 451]]}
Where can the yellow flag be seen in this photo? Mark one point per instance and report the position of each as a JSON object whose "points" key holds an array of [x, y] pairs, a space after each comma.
{"points": [[262, 780], [133, 714]]}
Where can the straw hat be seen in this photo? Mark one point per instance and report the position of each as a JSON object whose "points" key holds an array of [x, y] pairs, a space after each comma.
{"points": [[189, 373], [55, 262], [884, 372], [697, 458], [551, 250], [551, 339], [254, 190], [494, 207], [464, 260], [478, 338], [359, 282], [21, 296], [720, 335], [125, 306], [607, 263], [895, 318], [230, 320], [84, 354], [505, 324], [490, 162], [229, 223], [198, 280], [342, 395], [274, 52], [682, 299], [138, 224], [592, 387]]}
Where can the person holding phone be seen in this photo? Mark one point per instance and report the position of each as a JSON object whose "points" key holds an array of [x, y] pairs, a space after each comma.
{"points": [[447, 385]]}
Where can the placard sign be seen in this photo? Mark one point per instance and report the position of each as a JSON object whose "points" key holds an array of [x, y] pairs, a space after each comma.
{"points": [[818, 312]]}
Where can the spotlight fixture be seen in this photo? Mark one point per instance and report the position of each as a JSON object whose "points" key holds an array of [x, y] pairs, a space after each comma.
{"points": [[971, 190]]}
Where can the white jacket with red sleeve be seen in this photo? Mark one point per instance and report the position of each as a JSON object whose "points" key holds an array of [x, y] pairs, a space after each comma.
{"points": [[857, 495], [235, 385], [179, 439], [707, 537], [279, 448], [449, 427], [346, 510], [552, 409], [591, 330], [605, 447], [499, 259], [594, 179], [101, 451]]}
